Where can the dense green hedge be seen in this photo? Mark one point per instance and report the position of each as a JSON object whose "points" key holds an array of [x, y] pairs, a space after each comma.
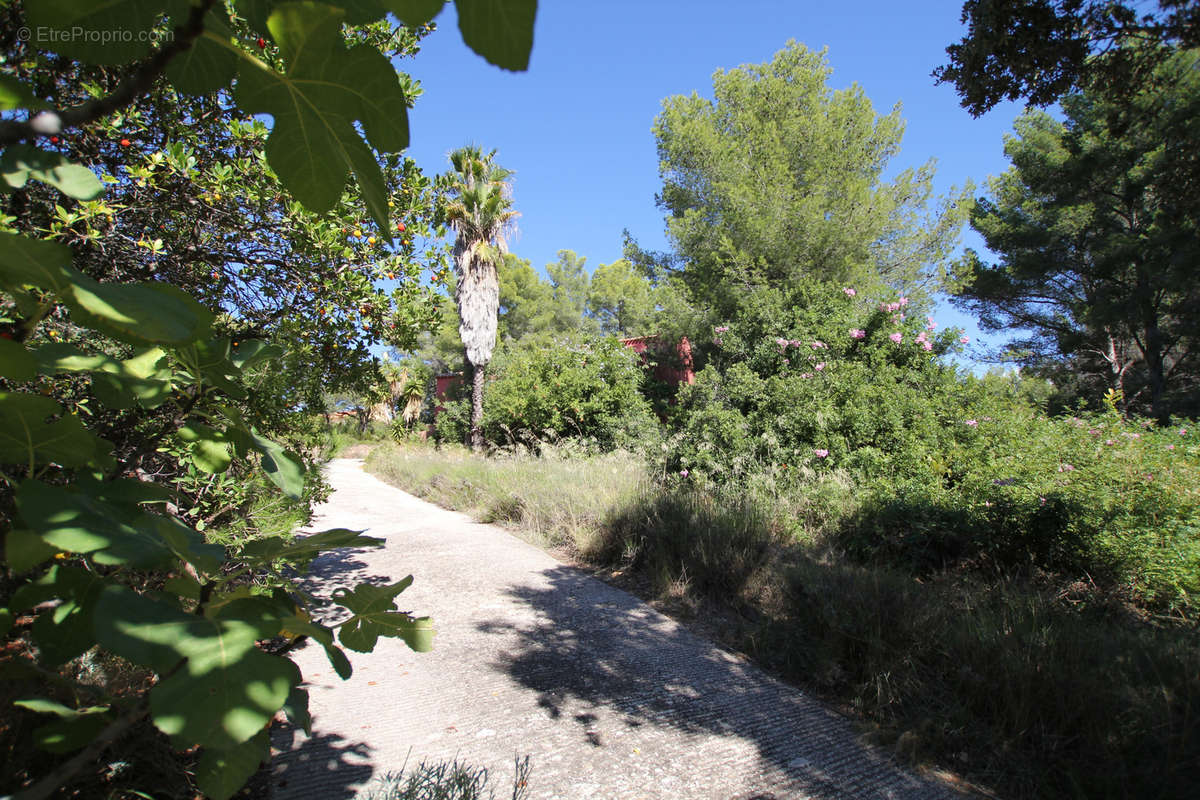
{"points": [[580, 388]]}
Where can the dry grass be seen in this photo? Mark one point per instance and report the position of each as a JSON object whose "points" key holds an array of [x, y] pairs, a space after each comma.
{"points": [[1011, 682], [559, 500]]}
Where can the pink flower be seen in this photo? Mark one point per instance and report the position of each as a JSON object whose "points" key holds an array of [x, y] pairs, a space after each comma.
{"points": [[858, 333], [896, 337], [806, 374], [931, 326], [1094, 431], [1109, 442], [817, 345], [1183, 431], [927, 346], [820, 452], [849, 292], [921, 336], [721, 328], [781, 341], [1066, 468], [964, 339], [971, 423], [903, 301], [683, 473], [820, 366], [1170, 447]]}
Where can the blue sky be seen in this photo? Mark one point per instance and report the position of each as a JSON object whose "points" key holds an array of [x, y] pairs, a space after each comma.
{"points": [[576, 127]]}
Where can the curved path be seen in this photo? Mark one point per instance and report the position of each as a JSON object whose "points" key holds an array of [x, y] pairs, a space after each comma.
{"points": [[607, 697]]}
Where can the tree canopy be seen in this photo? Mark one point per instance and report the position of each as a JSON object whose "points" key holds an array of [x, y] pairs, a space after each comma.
{"points": [[1097, 233], [778, 180], [1041, 50]]}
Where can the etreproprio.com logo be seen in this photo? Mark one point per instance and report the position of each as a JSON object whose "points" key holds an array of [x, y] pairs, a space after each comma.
{"points": [[44, 35]]}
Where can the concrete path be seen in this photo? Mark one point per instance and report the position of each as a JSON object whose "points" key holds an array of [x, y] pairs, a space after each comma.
{"points": [[607, 697]]}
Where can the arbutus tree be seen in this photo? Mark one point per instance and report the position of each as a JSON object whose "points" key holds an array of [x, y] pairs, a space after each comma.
{"points": [[98, 551]]}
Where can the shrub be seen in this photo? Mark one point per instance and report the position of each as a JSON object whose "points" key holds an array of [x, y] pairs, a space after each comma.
{"points": [[945, 470], [573, 388], [815, 379]]}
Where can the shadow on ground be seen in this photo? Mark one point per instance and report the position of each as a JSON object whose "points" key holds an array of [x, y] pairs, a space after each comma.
{"points": [[605, 648], [325, 765]]}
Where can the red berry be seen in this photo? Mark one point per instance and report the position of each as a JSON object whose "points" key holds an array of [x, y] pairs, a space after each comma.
{"points": [[6, 335], [53, 140], [262, 43], [400, 227], [125, 143]]}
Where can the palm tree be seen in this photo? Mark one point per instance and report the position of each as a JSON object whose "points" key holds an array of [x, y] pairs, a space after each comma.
{"points": [[479, 210]]}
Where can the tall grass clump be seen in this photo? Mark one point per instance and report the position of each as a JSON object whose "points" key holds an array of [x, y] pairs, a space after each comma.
{"points": [[1023, 688], [560, 498], [444, 780], [688, 538]]}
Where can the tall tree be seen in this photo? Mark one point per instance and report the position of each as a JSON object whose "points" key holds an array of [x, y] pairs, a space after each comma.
{"points": [[777, 181], [569, 283], [1098, 233], [526, 301], [1041, 50], [621, 299], [479, 210]]}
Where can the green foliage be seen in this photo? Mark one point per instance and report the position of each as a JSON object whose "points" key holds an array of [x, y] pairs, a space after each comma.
{"points": [[812, 381], [124, 442], [1033, 692], [526, 301], [575, 388], [1097, 242], [169, 207], [778, 181], [1041, 51], [949, 471], [622, 300], [1092, 498]]}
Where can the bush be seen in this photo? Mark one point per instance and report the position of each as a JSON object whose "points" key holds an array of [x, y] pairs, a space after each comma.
{"points": [[1094, 498], [945, 470], [815, 379], [1029, 692], [539, 391]]}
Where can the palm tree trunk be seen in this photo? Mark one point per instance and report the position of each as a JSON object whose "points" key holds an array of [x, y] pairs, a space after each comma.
{"points": [[477, 406]]}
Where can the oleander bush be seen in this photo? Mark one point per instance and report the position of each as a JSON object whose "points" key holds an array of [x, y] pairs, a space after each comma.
{"points": [[843, 405]]}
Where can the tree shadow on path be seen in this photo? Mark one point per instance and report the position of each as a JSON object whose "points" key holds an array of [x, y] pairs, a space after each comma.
{"points": [[605, 648], [324, 766]]}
